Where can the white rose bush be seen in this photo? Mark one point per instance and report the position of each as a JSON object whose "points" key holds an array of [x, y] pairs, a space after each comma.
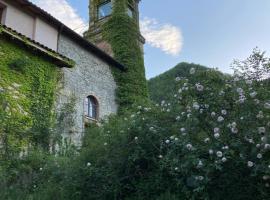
{"points": [[212, 141]]}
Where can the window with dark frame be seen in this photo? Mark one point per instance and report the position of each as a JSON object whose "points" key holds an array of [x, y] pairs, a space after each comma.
{"points": [[104, 9], [130, 11], [91, 107], [1, 13]]}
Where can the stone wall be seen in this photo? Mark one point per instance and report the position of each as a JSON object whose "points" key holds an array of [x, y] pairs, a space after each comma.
{"points": [[90, 76]]}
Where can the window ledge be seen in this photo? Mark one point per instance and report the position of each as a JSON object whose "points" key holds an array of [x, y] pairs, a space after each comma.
{"points": [[89, 120]]}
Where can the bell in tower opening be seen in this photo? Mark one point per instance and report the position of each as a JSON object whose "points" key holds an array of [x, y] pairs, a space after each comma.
{"points": [[100, 12]]}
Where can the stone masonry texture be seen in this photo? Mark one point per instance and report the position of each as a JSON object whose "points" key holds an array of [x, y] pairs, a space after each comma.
{"points": [[90, 76]]}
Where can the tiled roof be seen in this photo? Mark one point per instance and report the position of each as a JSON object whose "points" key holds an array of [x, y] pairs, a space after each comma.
{"points": [[60, 59], [75, 36]]}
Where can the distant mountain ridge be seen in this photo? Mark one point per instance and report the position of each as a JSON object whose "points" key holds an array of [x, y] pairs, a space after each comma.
{"points": [[162, 87]]}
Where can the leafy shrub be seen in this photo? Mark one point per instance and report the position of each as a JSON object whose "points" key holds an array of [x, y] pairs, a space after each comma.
{"points": [[210, 142]]}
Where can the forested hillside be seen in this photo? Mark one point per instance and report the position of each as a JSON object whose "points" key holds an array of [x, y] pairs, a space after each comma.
{"points": [[163, 86]]}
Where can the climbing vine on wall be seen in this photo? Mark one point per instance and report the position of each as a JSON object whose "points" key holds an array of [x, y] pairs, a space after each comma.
{"points": [[122, 32], [27, 90]]}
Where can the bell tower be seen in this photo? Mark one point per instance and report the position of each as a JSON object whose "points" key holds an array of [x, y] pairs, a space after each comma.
{"points": [[100, 11]]}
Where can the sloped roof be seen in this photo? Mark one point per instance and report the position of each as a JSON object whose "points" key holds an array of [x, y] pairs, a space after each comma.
{"points": [[60, 59], [64, 29]]}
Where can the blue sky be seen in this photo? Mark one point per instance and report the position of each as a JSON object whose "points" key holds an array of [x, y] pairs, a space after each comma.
{"points": [[213, 32]]}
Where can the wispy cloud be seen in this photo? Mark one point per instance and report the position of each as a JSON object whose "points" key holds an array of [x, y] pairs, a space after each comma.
{"points": [[166, 37], [64, 12]]}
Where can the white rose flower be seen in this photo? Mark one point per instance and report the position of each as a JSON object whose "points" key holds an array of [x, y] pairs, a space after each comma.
{"points": [[136, 138], [206, 140], [221, 93], [242, 99], [253, 94], [200, 178], [250, 164], [177, 79], [267, 105], [88, 164], [239, 90], [189, 146], [216, 130], [219, 154], [176, 169], [200, 164], [258, 145], [224, 159], [260, 115], [224, 112], [176, 139], [213, 114], [263, 139], [220, 119], [192, 71], [167, 141], [251, 141], [182, 129], [259, 155], [199, 87], [225, 148], [256, 101], [234, 130], [234, 124], [160, 156], [196, 106], [211, 152], [216, 135], [261, 130]]}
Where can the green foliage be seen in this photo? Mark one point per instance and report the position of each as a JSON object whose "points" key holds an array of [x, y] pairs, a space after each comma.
{"points": [[19, 64], [26, 97], [210, 142], [122, 33]]}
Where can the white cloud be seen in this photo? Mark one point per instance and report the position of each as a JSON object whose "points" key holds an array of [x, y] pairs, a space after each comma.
{"points": [[64, 12], [166, 37]]}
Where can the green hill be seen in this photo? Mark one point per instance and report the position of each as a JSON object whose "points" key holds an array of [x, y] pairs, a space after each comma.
{"points": [[163, 86]]}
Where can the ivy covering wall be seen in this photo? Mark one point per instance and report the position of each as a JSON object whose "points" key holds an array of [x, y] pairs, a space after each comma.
{"points": [[27, 90], [122, 33]]}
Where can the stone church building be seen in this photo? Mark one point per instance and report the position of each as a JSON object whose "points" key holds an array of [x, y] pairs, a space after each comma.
{"points": [[86, 63]]}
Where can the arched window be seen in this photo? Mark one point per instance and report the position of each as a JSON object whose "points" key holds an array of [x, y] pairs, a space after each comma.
{"points": [[91, 107]]}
